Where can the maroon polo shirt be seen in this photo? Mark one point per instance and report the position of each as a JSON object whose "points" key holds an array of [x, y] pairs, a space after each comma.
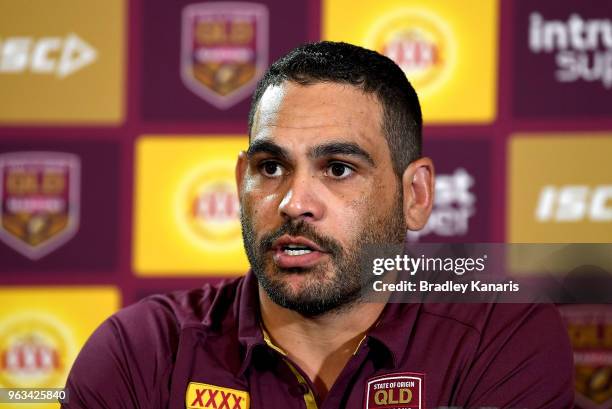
{"points": [[205, 349]]}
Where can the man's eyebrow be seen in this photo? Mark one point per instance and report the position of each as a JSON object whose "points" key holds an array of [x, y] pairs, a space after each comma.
{"points": [[341, 148], [264, 146]]}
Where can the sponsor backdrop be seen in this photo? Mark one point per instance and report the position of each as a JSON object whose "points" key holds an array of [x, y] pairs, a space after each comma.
{"points": [[120, 122]]}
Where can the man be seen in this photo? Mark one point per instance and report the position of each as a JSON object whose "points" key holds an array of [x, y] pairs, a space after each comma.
{"points": [[333, 165]]}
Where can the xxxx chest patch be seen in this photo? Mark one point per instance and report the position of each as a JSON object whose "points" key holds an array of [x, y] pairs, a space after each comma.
{"points": [[402, 390], [203, 395]]}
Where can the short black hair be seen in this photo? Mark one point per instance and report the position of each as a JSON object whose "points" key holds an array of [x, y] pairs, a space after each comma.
{"points": [[343, 63]]}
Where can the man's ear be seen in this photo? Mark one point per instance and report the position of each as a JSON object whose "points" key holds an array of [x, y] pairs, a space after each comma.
{"points": [[418, 184], [241, 167]]}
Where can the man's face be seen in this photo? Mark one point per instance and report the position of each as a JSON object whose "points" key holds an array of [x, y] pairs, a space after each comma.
{"points": [[316, 186]]}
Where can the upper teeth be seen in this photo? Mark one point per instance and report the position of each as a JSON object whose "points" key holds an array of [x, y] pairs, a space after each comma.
{"points": [[292, 252], [296, 249]]}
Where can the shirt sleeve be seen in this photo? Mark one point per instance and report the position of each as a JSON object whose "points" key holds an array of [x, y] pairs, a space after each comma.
{"points": [[524, 360], [126, 362]]}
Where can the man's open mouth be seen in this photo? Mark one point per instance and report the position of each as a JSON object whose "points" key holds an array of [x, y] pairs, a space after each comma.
{"points": [[290, 251], [296, 245]]}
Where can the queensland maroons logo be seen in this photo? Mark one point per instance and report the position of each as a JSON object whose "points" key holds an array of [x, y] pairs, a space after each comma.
{"points": [[35, 351], [39, 199], [590, 330], [419, 42], [208, 207], [224, 50], [402, 390]]}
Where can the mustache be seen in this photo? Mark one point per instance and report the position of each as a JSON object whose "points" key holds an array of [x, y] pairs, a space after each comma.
{"points": [[300, 228]]}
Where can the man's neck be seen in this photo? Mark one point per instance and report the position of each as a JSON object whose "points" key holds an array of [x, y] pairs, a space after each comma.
{"points": [[321, 346]]}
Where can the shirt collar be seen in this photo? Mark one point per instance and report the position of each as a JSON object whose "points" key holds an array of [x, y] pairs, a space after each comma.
{"points": [[249, 329], [392, 331]]}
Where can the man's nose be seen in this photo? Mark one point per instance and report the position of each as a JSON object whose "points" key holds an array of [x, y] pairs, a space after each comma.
{"points": [[302, 199]]}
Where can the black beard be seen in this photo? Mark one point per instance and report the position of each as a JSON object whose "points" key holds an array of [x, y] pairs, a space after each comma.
{"points": [[322, 297]]}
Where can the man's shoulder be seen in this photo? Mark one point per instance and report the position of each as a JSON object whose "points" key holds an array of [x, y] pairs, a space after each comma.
{"points": [[506, 340], [137, 347], [481, 316], [207, 305]]}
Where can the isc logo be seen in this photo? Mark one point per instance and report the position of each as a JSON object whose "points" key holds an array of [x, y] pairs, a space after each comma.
{"points": [[202, 395], [45, 55], [572, 203]]}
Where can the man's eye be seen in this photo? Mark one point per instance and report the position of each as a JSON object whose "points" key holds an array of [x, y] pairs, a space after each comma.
{"points": [[339, 170], [271, 169]]}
